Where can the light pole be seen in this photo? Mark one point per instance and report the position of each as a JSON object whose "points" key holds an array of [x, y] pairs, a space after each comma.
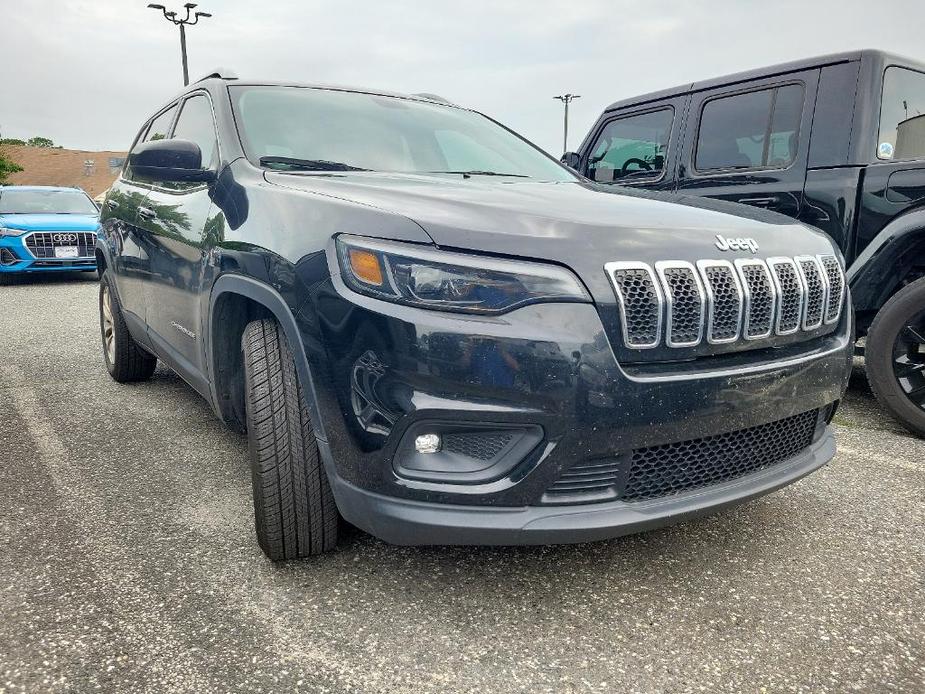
{"points": [[182, 23], [566, 99]]}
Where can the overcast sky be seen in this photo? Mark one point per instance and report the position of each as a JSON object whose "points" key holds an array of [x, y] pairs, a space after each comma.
{"points": [[86, 73]]}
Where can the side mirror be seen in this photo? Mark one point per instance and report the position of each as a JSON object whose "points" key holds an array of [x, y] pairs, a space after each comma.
{"points": [[169, 160], [571, 160]]}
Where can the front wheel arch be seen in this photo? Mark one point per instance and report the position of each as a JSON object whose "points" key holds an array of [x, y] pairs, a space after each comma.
{"points": [[885, 265], [236, 297]]}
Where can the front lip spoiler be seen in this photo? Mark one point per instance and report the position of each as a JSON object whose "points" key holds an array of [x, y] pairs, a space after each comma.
{"points": [[407, 522]]}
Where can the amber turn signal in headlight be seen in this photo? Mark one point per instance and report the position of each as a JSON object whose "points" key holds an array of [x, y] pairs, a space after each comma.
{"points": [[365, 266]]}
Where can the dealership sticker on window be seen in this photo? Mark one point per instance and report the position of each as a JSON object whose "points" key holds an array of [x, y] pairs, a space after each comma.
{"points": [[885, 150]]}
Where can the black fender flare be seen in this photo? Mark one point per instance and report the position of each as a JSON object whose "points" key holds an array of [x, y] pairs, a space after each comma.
{"points": [[272, 301], [872, 276]]}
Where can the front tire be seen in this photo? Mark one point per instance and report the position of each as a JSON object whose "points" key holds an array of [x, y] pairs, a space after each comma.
{"points": [[895, 356], [294, 510], [125, 360]]}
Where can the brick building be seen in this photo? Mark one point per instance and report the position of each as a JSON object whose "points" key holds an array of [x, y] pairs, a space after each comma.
{"points": [[45, 166]]}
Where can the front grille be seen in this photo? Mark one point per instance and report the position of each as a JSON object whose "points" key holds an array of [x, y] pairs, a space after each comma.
{"points": [[481, 446], [658, 471], [718, 301], [42, 244], [672, 468]]}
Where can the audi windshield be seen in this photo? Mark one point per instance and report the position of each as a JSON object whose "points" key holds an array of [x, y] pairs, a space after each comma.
{"points": [[315, 129], [13, 201]]}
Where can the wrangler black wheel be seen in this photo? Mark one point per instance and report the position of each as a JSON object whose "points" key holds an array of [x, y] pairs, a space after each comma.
{"points": [[895, 356], [294, 510]]}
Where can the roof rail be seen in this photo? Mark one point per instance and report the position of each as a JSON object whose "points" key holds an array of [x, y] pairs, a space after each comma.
{"points": [[433, 97], [219, 73]]}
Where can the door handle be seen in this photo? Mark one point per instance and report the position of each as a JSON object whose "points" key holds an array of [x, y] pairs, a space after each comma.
{"points": [[147, 213], [766, 201], [112, 204]]}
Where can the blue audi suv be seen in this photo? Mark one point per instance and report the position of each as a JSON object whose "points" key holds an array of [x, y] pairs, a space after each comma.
{"points": [[46, 229]]}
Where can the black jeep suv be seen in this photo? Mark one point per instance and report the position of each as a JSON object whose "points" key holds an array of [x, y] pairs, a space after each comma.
{"points": [[837, 142], [429, 327]]}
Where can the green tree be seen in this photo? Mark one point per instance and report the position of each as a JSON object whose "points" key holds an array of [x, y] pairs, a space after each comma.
{"points": [[7, 167], [40, 142], [12, 141]]}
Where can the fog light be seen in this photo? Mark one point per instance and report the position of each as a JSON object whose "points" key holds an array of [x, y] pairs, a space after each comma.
{"points": [[427, 443]]}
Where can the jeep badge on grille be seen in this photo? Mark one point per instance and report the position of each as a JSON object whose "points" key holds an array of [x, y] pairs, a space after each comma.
{"points": [[739, 244]]}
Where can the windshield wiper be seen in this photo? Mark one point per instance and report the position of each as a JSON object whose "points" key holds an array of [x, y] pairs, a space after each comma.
{"points": [[479, 173], [291, 163]]}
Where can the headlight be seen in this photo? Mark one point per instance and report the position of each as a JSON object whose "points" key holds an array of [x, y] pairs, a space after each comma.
{"points": [[5, 231], [445, 281]]}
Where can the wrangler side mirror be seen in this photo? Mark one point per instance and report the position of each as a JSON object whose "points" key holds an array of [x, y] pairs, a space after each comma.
{"points": [[571, 160]]}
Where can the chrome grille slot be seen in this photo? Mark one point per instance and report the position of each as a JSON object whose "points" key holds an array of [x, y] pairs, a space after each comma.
{"points": [[815, 284], [724, 300], [640, 300], [760, 298], [790, 294], [685, 303], [836, 282]]}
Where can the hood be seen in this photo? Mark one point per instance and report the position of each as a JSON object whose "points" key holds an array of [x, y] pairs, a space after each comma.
{"points": [[50, 222], [580, 225]]}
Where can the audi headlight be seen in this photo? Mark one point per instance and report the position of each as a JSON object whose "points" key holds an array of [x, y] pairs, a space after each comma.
{"points": [[6, 231], [447, 281]]}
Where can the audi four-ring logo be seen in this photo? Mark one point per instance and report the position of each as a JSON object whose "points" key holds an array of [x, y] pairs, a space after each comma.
{"points": [[64, 238]]}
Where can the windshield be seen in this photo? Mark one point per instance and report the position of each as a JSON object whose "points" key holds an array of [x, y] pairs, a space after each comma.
{"points": [[322, 129], [13, 201]]}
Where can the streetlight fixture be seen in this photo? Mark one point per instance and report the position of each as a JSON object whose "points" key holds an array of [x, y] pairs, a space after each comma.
{"points": [[182, 23], [566, 99]]}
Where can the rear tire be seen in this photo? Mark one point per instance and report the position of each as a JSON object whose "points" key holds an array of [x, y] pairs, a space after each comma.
{"points": [[125, 360], [294, 510], [884, 345]]}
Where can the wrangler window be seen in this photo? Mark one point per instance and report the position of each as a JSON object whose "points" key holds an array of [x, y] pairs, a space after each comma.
{"points": [[753, 130], [632, 148], [902, 115]]}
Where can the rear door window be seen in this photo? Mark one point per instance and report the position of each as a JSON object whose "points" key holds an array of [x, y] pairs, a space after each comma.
{"points": [[902, 115], [632, 148], [753, 130]]}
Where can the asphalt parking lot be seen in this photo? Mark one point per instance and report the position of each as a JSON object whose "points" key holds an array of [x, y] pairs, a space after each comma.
{"points": [[129, 564]]}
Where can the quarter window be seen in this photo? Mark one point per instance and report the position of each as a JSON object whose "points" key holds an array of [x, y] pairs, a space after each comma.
{"points": [[196, 125], [751, 130], [160, 126], [632, 148], [902, 115]]}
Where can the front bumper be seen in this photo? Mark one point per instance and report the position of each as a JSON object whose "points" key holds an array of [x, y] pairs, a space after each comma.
{"points": [[383, 372], [15, 258], [405, 522]]}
